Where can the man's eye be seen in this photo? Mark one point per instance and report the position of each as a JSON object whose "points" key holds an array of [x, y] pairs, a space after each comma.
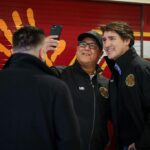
{"points": [[92, 46], [112, 38], [83, 44]]}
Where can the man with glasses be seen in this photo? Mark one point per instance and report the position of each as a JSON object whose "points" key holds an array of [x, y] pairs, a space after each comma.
{"points": [[89, 91]]}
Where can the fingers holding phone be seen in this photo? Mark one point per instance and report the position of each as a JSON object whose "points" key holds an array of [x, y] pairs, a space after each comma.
{"points": [[50, 42]]}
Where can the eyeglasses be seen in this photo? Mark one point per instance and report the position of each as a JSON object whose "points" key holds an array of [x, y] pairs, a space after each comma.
{"points": [[90, 45]]}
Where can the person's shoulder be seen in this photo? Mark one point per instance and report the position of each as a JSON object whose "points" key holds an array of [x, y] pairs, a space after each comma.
{"points": [[60, 70], [67, 70], [57, 70], [141, 66], [141, 62], [50, 81], [103, 86]]}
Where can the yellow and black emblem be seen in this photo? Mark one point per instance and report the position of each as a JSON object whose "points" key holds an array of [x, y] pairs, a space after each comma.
{"points": [[130, 80], [104, 92]]}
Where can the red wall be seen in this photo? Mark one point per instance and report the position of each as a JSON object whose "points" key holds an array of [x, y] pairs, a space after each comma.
{"points": [[74, 16]]}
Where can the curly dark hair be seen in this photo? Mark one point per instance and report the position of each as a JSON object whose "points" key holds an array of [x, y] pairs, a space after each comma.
{"points": [[27, 37], [121, 28]]}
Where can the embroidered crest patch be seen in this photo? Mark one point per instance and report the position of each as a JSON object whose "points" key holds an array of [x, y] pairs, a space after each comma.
{"points": [[104, 92], [130, 80]]}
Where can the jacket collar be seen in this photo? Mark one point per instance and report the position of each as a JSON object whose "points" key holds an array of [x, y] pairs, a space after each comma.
{"points": [[78, 68], [123, 61], [29, 62]]}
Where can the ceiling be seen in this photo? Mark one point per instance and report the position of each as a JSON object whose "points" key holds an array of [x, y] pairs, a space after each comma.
{"points": [[127, 1]]}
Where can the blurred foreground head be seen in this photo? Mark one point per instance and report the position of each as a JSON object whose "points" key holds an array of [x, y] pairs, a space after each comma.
{"points": [[28, 39]]}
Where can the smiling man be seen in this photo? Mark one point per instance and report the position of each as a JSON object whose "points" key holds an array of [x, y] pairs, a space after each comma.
{"points": [[129, 88], [88, 91]]}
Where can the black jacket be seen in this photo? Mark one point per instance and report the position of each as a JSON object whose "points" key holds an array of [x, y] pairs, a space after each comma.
{"points": [[90, 106], [36, 110], [130, 99]]}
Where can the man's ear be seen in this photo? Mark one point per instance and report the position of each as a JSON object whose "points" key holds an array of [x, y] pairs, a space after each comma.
{"points": [[127, 41]]}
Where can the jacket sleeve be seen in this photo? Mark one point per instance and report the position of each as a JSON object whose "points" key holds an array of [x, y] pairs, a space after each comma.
{"points": [[103, 84], [146, 89], [66, 125], [57, 70], [145, 100]]}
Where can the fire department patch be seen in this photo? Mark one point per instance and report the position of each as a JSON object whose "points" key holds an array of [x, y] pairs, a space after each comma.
{"points": [[130, 80], [104, 92]]}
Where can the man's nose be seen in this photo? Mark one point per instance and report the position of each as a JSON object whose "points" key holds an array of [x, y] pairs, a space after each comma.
{"points": [[107, 43], [87, 47]]}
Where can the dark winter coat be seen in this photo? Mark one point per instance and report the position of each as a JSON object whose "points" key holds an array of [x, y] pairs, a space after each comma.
{"points": [[36, 111], [91, 103], [130, 100]]}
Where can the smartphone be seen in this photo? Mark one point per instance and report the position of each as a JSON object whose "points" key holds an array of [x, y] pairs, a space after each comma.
{"points": [[56, 30]]}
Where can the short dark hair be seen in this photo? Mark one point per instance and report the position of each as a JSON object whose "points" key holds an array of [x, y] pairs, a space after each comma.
{"points": [[121, 28], [27, 37]]}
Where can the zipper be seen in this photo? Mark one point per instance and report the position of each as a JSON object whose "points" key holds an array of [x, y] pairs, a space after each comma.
{"points": [[94, 108]]}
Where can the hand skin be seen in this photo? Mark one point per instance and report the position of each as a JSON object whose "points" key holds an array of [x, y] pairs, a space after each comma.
{"points": [[132, 147], [50, 44]]}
